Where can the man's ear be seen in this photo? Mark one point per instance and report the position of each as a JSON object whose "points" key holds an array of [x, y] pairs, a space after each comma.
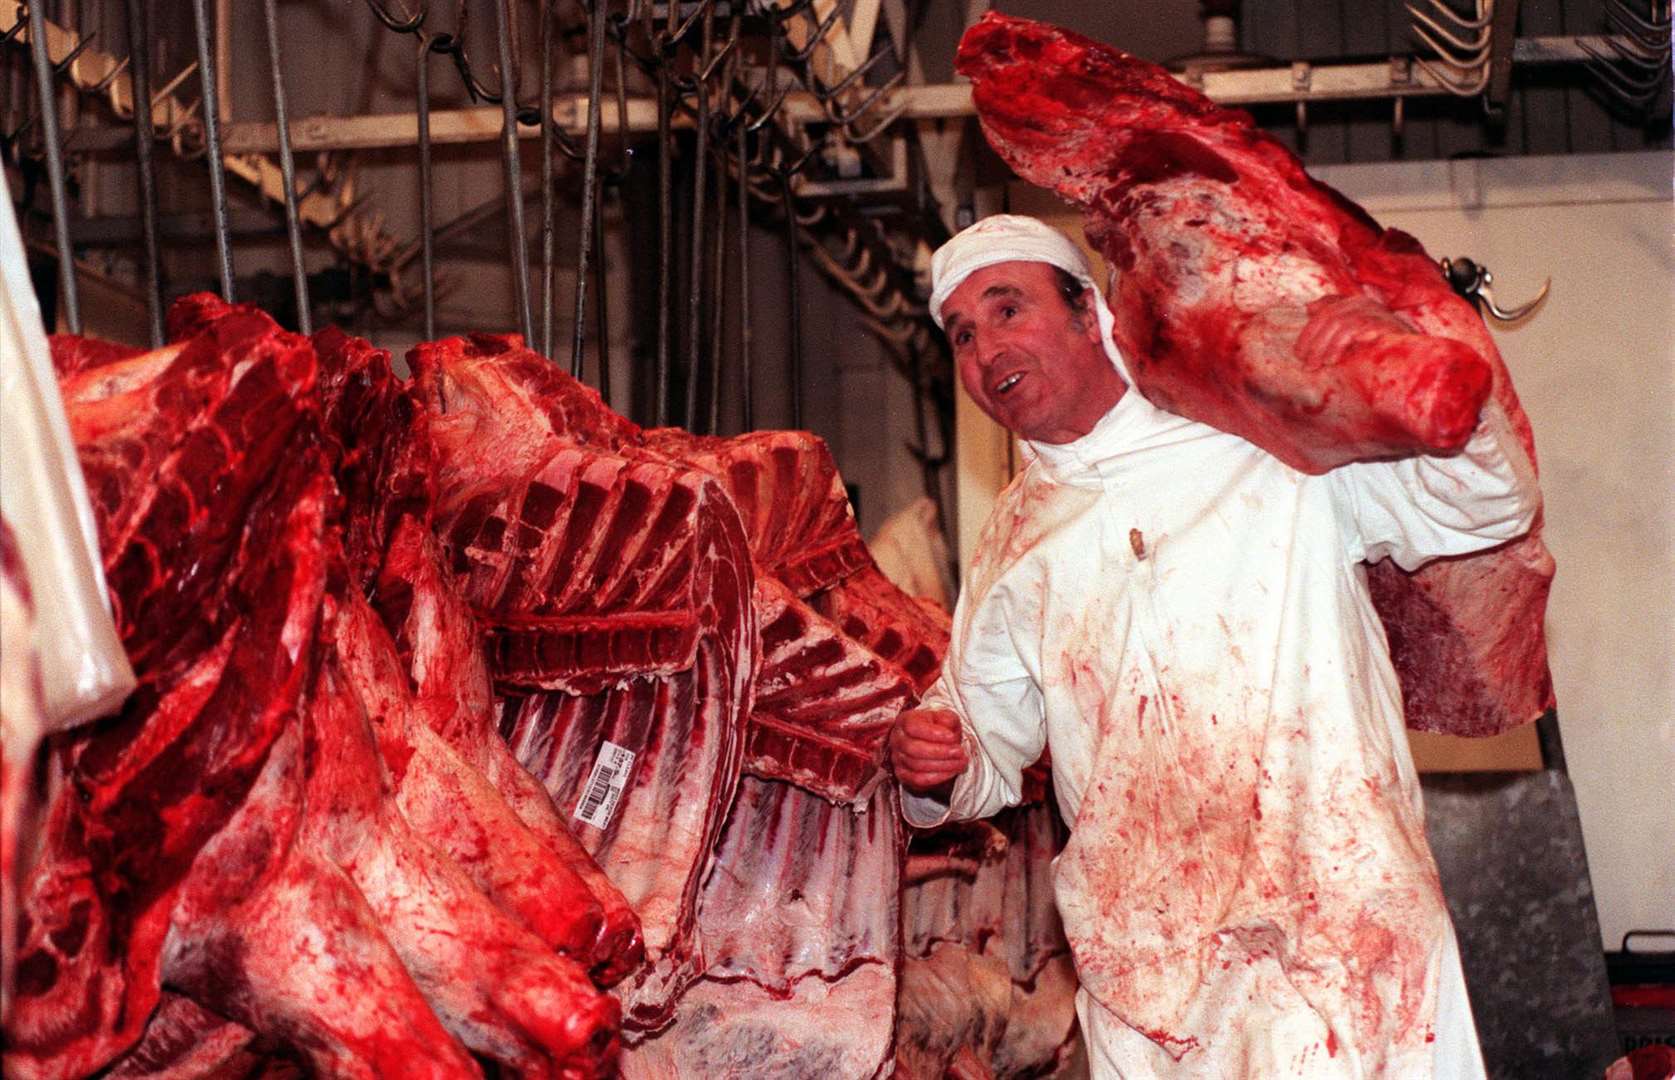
{"points": [[1090, 315]]}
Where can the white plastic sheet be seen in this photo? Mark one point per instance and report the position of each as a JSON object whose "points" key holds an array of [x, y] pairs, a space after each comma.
{"points": [[42, 496]]}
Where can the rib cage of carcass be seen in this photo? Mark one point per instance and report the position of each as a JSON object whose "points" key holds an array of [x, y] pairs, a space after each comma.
{"points": [[790, 925]]}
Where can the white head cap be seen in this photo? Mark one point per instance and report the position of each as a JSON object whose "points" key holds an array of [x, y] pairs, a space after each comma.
{"points": [[1015, 238]]}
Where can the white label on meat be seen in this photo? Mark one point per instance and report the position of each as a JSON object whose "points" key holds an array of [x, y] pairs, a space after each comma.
{"points": [[604, 785]]}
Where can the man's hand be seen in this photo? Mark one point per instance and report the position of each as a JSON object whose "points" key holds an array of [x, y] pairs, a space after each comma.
{"points": [[925, 749]]}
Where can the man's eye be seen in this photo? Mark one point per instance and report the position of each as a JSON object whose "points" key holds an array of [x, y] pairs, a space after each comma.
{"points": [[962, 338], [1009, 310]]}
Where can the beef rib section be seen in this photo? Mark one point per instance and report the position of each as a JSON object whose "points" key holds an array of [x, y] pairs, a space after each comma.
{"points": [[800, 922], [615, 591]]}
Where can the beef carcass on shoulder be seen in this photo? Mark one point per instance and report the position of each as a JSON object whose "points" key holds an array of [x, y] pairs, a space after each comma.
{"points": [[1253, 298]]}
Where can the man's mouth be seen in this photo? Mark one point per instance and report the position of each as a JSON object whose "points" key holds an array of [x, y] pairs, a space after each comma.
{"points": [[1006, 384]]}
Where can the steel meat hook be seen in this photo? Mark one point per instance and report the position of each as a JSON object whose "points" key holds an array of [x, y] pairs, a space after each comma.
{"points": [[1479, 42], [1485, 14], [1636, 92], [827, 94], [70, 58], [1652, 32], [100, 86], [1642, 48], [769, 77], [821, 28], [401, 25], [1472, 280], [1467, 61], [877, 129]]}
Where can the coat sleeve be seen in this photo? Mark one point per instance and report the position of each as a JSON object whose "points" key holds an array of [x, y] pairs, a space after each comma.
{"points": [[1418, 508], [985, 682]]}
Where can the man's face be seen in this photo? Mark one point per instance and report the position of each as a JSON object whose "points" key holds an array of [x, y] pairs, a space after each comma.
{"points": [[1030, 362]]}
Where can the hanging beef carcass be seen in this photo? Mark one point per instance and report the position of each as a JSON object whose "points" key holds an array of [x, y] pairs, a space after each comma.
{"points": [[798, 918], [956, 985], [515, 845], [1253, 298], [22, 722], [614, 587], [298, 902], [197, 520], [776, 988]]}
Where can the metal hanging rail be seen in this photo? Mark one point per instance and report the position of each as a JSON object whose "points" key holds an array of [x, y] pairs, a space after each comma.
{"points": [[46, 89], [427, 221], [293, 227], [139, 46], [590, 184], [212, 142], [516, 237]]}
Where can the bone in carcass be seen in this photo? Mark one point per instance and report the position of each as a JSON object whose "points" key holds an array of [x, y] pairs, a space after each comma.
{"points": [[823, 704], [614, 589], [455, 773], [22, 721], [796, 921], [911, 634], [183, 1041], [1041, 1020], [212, 555], [790, 498], [956, 983], [1248, 296], [800, 921]]}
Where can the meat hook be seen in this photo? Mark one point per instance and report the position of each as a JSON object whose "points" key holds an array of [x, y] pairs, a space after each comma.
{"points": [[816, 37], [1471, 281], [827, 94], [1461, 67], [55, 166], [1640, 45], [877, 129], [1479, 43], [70, 57], [400, 24], [100, 86]]}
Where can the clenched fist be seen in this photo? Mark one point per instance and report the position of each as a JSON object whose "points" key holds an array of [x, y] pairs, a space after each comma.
{"points": [[925, 749]]}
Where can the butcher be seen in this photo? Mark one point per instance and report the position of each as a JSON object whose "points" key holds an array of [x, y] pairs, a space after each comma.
{"points": [[1183, 621]]}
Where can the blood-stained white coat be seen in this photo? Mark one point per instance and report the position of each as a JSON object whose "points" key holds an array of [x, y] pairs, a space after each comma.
{"points": [[1184, 620]]}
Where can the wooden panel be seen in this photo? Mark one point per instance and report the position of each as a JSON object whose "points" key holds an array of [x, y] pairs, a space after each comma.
{"points": [[1517, 750]]}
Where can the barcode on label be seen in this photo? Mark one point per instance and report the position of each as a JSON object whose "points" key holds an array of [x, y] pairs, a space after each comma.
{"points": [[605, 785]]}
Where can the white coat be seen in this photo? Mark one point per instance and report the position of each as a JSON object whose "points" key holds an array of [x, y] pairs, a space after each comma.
{"points": [[1184, 620]]}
